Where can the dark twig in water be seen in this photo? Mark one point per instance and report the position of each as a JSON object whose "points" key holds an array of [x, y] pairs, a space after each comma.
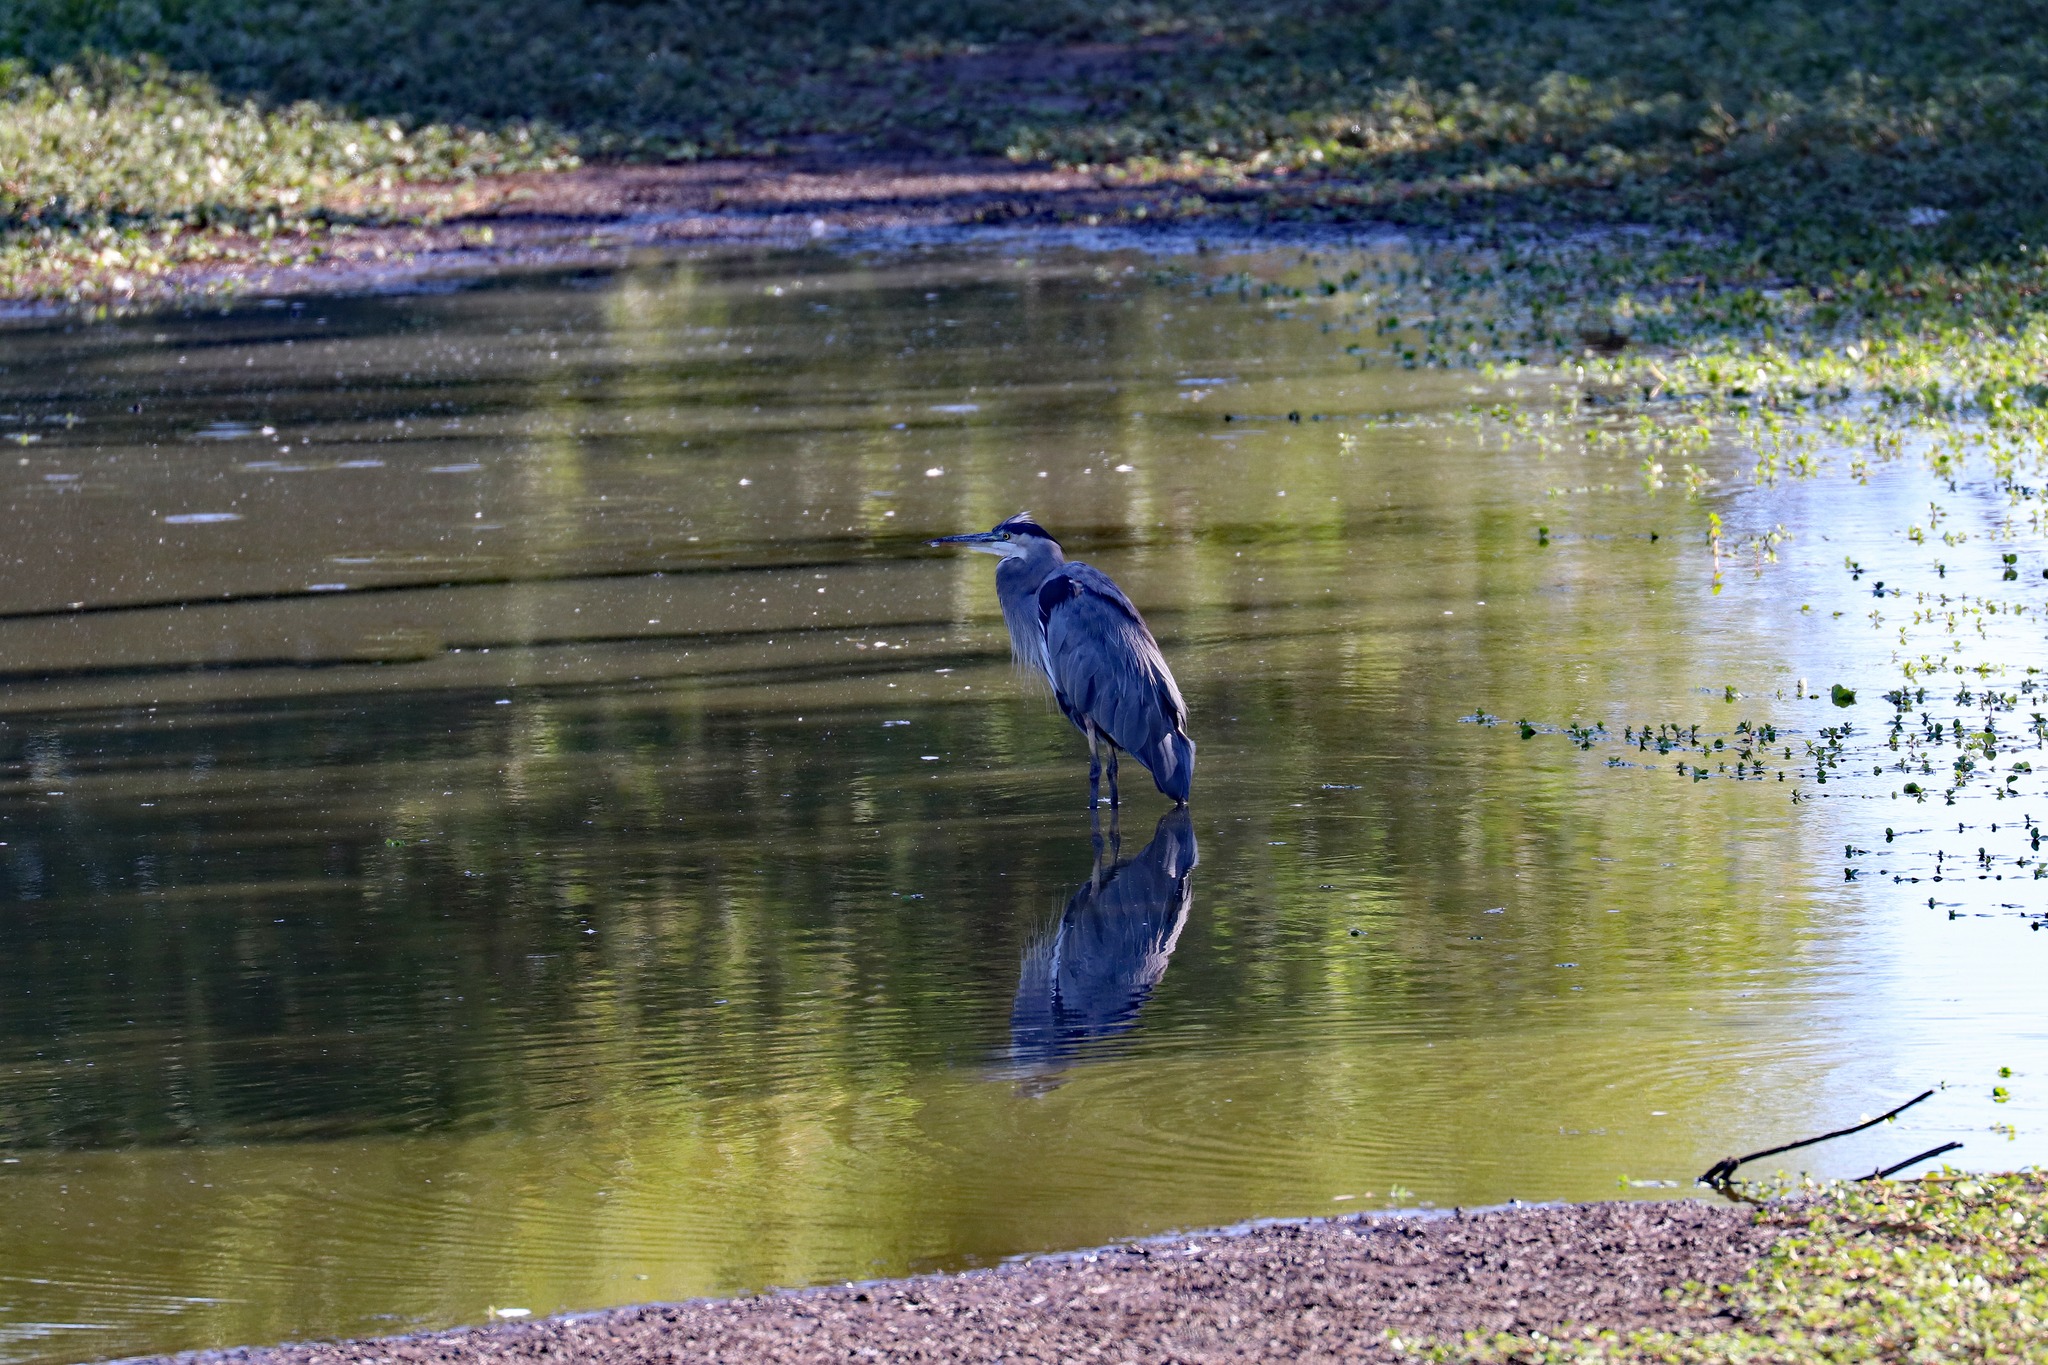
{"points": [[1931, 1151], [1721, 1171]]}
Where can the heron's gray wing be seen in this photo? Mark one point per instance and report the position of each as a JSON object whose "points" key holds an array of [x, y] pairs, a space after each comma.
{"points": [[1104, 664]]}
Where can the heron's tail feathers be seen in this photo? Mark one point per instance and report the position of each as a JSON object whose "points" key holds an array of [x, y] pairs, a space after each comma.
{"points": [[1172, 761]]}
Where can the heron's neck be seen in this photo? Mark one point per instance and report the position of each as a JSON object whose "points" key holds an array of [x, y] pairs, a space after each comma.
{"points": [[1025, 572]]}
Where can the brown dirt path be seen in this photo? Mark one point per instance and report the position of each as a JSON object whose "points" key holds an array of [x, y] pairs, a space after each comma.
{"points": [[1328, 1290]]}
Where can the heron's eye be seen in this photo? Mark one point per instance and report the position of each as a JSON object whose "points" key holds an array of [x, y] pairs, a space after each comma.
{"points": [[1007, 536]]}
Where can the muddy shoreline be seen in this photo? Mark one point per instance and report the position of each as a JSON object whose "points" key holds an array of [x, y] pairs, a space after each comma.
{"points": [[1330, 1289], [600, 215]]}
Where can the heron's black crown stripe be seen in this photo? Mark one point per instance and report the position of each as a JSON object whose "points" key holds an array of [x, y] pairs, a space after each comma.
{"points": [[1023, 525]]}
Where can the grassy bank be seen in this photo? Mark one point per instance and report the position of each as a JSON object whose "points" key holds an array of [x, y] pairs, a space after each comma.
{"points": [[1828, 138], [1942, 1269], [112, 173]]}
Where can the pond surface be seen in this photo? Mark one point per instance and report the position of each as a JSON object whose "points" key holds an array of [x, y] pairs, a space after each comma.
{"points": [[502, 809]]}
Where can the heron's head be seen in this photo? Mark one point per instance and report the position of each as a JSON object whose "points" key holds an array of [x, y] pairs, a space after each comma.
{"points": [[1011, 539]]}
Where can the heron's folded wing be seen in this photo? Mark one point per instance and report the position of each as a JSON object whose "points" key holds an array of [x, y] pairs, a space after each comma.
{"points": [[1104, 663]]}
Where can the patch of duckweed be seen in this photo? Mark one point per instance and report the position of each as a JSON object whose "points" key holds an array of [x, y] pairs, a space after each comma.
{"points": [[1946, 1268], [1662, 353], [1936, 766]]}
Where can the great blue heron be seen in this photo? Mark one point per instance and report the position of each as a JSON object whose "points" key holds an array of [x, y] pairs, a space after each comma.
{"points": [[1085, 978], [1069, 621]]}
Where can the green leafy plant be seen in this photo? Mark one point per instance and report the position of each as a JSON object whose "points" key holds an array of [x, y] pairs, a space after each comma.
{"points": [[1950, 1267]]}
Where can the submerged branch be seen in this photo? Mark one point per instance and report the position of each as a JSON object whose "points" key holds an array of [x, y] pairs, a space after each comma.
{"points": [[1718, 1175], [1894, 1170]]}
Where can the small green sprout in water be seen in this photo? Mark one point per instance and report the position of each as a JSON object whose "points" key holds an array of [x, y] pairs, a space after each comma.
{"points": [[2000, 1095], [1842, 696]]}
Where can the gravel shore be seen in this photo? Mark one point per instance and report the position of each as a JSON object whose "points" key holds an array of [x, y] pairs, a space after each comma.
{"points": [[1326, 1290]]}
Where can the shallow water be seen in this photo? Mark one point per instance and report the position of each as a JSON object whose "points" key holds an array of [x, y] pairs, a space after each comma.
{"points": [[501, 808]]}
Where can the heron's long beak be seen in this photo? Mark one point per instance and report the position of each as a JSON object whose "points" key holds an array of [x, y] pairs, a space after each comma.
{"points": [[988, 542]]}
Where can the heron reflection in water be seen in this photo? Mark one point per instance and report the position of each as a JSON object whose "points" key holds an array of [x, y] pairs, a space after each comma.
{"points": [[1087, 976]]}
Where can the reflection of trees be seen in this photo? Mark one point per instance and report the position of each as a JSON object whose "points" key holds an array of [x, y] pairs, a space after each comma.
{"points": [[374, 914], [400, 911]]}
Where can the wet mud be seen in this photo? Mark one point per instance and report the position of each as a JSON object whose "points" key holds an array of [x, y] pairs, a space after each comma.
{"points": [[599, 215]]}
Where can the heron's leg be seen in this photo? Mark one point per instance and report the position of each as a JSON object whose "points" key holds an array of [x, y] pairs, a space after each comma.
{"points": [[1112, 784], [1094, 768], [1094, 815]]}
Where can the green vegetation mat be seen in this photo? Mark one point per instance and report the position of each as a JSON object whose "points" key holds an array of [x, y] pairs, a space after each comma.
{"points": [[1949, 1268]]}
